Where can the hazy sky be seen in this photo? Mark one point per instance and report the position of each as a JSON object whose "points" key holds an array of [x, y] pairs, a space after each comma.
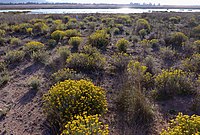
{"points": [[163, 2]]}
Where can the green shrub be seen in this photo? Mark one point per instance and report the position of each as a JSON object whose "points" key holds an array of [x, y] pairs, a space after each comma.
{"points": [[4, 78], [172, 82], [52, 43], [66, 74], [58, 35], [72, 33], [142, 33], [33, 46], [75, 42], [175, 19], [93, 61], [99, 39], [118, 62], [40, 28], [142, 24], [192, 64], [197, 45], [40, 56], [14, 56], [116, 31], [29, 31], [15, 41], [63, 52], [34, 82], [123, 19], [82, 125], [70, 98], [2, 66], [183, 125], [72, 23], [196, 31], [2, 33], [135, 110], [177, 39], [122, 45], [167, 53], [137, 73]]}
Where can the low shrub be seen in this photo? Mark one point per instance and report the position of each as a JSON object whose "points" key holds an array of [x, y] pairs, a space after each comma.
{"points": [[122, 45], [70, 98], [142, 24], [34, 82], [175, 19], [183, 125], [177, 39], [52, 43], [58, 35], [15, 41], [197, 45], [14, 56], [192, 64], [4, 78], [82, 125], [2, 33], [75, 42], [2, 66], [86, 61], [40, 56], [118, 62], [116, 31], [40, 28], [72, 33], [173, 82], [63, 52], [33, 46], [66, 74], [99, 39]]}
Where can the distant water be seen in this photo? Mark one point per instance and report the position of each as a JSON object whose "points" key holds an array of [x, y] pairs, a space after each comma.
{"points": [[108, 11]]}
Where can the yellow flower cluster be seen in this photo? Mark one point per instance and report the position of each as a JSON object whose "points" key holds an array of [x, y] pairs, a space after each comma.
{"points": [[183, 125], [69, 98], [33, 46], [85, 125], [173, 82]]}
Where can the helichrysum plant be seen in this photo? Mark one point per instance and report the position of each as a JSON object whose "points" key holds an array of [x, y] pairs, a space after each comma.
{"points": [[69, 98], [85, 125], [183, 125]]}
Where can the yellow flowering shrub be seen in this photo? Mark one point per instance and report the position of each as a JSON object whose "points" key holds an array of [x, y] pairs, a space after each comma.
{"points": [[183, 125], [172, 82], [192, 64], [69, 98], [85, 125], [122, 45], [33, 46], [99, 39], [58, 35], [72, 33]]}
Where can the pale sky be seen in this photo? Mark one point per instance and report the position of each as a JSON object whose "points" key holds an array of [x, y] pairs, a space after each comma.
{"points": [[162, 2]]}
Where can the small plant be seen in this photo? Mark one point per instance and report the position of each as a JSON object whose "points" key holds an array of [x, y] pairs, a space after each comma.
{"points": [[40, 28], [2, 66], [40, 56], [66, 74], [183, 125], [4, 78], [52, 43], [99, 39], [34, 82], [82, 125], [63, 52], [116, 31], [142, 24], [75, 42], [70, 98], [177, 39], [29, 31], [2, 33], [15, 41], [58, 35], [33, 46], [192, 64], [86, 61], [122, 45], [72, 33], [172, 82], [175, 19], [14, 56]]}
